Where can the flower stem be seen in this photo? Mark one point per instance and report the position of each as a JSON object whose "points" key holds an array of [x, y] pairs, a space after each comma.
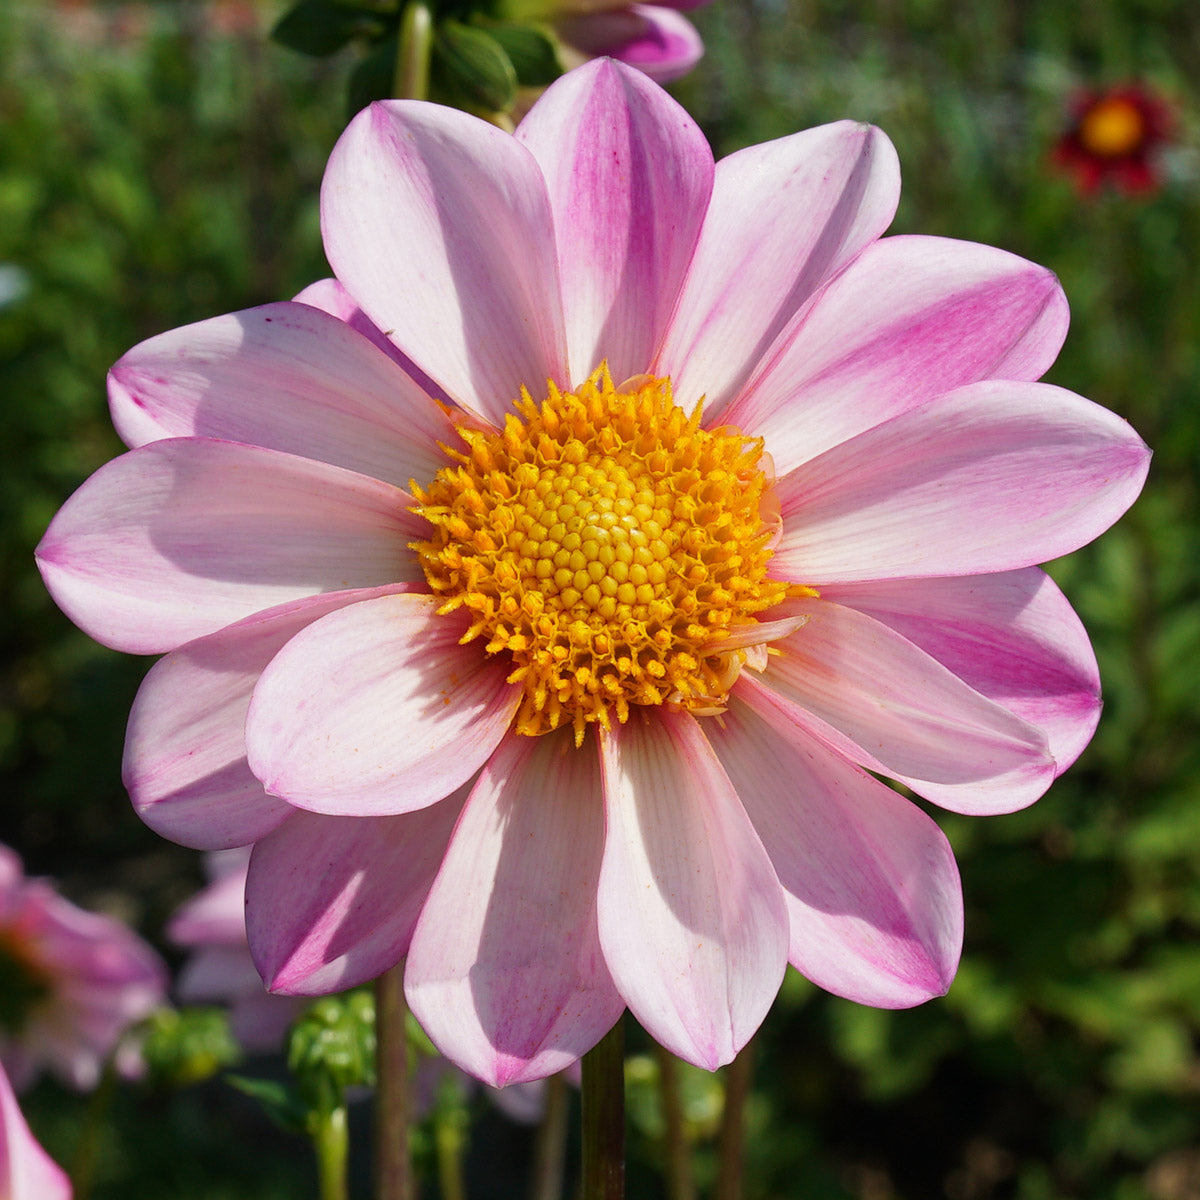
{"points": [[732, 1141], [393, 1169], [550, 1151], [331, 1141], [448, 1143], [680, 1185], [604, 1117], [414, 48], [95, 1125]]}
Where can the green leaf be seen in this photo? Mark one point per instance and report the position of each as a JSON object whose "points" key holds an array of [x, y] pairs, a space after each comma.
{"points": [[471, 69], [530, 48], [320, 28], [279, 1102], [373, 77]]}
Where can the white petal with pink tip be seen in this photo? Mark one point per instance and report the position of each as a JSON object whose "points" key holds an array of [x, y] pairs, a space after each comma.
{"points": [[692, 917], [909, 319], [871, 885], [185, 749], [785, 217], [439, 225], [331, 901], [377, 709], [506, 974], [287, 377], [1013, 637], [180, 538], [986, 478], [889, 706], [629, 176]]}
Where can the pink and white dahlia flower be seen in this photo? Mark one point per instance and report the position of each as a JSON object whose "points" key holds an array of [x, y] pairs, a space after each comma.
{"points": [[71, 983], [571, 681], [27, 1172]]}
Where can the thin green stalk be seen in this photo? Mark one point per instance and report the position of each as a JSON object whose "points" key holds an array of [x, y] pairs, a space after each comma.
{"points": [[448, 1142], [680, 1184], [95, 1123], [732, 1142], [603, 1092], [550, 1150], [331, 1141], [414, 48], [393, 1167]]}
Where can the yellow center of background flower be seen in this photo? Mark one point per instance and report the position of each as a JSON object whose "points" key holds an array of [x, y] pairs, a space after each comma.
{"points": [[609, 546], [1112, 128]]}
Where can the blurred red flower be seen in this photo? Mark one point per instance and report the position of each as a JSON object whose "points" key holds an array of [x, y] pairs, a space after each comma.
{"points": [[1114, 137]]}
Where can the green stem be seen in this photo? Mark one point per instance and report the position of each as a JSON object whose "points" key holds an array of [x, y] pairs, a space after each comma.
{"points": [[393, 1169], [414, 47], [732, 1143], [95, 1122], [550, 1151], [331, 1141], [680, 1184], [604, 1117], [448, 1142]]}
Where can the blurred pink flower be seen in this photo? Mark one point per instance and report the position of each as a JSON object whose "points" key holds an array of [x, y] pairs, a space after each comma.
{"points": [[213, 924], [657, 39], [220, 970], [716, 648], [74, 981], [27, 1172]]}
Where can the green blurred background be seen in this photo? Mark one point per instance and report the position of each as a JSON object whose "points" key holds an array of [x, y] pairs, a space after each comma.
{"points": [[159, 163]]}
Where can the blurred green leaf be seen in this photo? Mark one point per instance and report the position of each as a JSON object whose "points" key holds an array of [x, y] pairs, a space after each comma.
{"points": [[322, 27], [471, 69], [531, 50]]}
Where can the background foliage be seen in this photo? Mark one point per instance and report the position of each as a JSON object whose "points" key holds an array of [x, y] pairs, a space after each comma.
{"points": [[159, 164]]}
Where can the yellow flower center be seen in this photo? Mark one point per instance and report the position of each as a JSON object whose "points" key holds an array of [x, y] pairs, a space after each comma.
{"points": [[1112, 127], [609, 546]]}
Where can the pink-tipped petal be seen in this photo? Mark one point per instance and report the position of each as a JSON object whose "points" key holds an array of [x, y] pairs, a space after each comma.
{"points": [[185, 750], [331, 902], [180, 538], [871, 885], [986, 478], [287, 377], [655, 39], [692, 917], [438, 224], [505, 973], [27, 1172], [909, 319], [329, 296], [1013, 637], [890, 707], [786, 216], [377, 709], [629, 175]]}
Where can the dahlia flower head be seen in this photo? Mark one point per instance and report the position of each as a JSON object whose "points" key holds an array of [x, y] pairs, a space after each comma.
{"points": [[542, 595], [27, 1172], [73, 983], [1115, 137]]}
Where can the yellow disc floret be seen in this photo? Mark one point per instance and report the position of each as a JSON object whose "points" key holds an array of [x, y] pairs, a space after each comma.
{"points": [[609, 546], [1113, 127]]}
